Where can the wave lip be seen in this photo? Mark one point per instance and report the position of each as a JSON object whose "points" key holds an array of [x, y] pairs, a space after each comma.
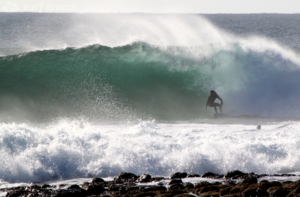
{"points": [[147, 66], [141, 81]]}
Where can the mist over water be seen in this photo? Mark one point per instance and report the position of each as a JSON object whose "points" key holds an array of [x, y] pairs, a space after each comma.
{"points": [[130, 66], [84, 95]]}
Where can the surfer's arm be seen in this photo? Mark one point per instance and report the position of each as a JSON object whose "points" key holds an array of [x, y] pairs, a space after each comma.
{"points": [[220, 100]]}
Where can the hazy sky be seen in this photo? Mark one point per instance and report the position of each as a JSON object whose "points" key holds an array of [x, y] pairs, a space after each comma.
{"points": [[153, 6]]}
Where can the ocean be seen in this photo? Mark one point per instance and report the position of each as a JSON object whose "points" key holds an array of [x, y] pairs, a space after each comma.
{"points": [[93, 95]]}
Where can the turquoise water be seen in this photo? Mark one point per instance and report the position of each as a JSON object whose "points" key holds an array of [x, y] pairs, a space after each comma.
{"points": [[84, 95]]}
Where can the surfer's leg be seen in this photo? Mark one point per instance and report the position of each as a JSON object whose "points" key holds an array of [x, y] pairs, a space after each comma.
{"points": [[217, 105], [216, 109]]}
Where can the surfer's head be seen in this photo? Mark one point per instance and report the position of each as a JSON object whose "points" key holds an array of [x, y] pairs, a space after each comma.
{"points": [[213, 92]]}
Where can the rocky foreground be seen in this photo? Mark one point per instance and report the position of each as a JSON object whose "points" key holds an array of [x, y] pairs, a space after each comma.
{"points": [[235, 184]]}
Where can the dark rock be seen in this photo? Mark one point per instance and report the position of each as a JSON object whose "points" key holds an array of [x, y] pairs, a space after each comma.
{"points": [[175, 181], [94, 189], [188, 185], [132, 190], [114, 187], [144, 178], [292, 185], [238, 189], [249, 192], [209, 175], [173, 193], [62, 186], [228, 183], [265, 185], [250, 180], [262, 192], [46, 186], [85, 185], [145, 194], [155, 179], [193, 175], [236, 174], [74, 187], [178, 175], [176, 186], [202, 184], [294, 193], [210, 194], [125, 177], [155, 188], [224, 191], [278, 192], [17, 193], [34, 187], [209, 188], [184, 195], [97, 180], [69, 193]]}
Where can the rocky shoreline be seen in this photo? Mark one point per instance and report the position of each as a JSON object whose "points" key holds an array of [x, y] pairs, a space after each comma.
{"points": [[234, 184]]}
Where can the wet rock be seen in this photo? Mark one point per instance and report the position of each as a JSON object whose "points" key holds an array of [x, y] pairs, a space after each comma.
{"points": [[184, 195], [62, 186], [202, 184], [238, 189], [145, 194], [224, 191], [265, 185], [210, 194], [177, 186], [17, 193], [193, 175], [294, 193], [156, 179], [250, 180], [154, 188], [124, 186], [94, 189], [229, 183], [292, 185], [236, 174], [97, 180], [278, 192], [209, 188], [68, 193], [132, 189], [175, 181], [144, 178], [74, 187], [125, 177], [188, 185], [209, 175], [249, 192], [173, 193], [46, 186], [178, 175], [114, 187]]}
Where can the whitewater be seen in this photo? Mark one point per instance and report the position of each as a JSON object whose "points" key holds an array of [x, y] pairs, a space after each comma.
{"points": [[93, 95]]}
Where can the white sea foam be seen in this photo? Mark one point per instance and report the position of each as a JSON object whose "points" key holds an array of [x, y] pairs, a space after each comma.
{"points": [[74, 149]]}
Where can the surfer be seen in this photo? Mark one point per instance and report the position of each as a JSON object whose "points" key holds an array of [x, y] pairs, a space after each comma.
{"points": [[211, 101]]}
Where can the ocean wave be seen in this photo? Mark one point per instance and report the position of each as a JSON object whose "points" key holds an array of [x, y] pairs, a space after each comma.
{"points": [[140, 80]]}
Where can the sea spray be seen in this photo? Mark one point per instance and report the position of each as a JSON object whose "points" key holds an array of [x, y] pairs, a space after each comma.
{"points": [[74, 149], [141, 80], [85, 95]]}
